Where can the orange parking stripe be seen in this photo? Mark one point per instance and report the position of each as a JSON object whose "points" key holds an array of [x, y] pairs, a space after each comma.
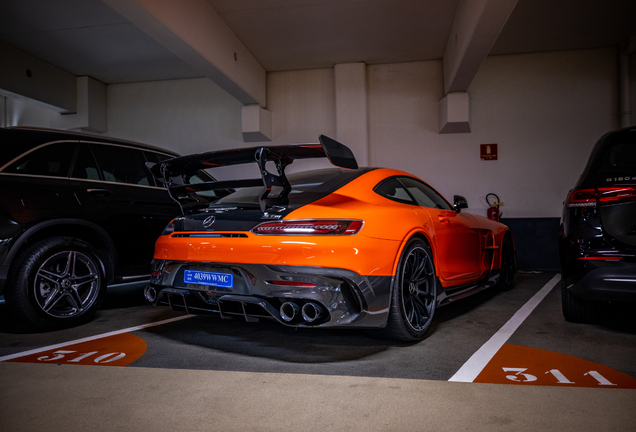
{"points": [[514, 364], [118, 350]]}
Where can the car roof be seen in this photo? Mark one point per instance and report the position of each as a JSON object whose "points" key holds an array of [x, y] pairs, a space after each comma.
{"points": [[41, 135]]}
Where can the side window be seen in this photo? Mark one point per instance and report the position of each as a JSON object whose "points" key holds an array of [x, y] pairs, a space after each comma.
{"points": [[424, 194], [85, 165], [393, 190], [53, 160], [122, 164]]}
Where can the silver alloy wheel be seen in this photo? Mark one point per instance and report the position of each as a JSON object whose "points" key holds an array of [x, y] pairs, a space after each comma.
{"points": [[67, 284], [417, 283]]}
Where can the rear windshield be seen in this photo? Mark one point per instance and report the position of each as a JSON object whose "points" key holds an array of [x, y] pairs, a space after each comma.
{"points": [[306, 186], [620, 153]]}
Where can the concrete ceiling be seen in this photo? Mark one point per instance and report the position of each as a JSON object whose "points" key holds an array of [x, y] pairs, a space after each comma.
{"points": [[88, 37]]}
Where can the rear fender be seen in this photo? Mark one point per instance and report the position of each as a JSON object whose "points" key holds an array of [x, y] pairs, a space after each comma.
{"points": [[416, 233]]}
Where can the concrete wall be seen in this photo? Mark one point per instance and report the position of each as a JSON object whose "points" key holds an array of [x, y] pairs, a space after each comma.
{"points": [[187, 116], [545, 111]]}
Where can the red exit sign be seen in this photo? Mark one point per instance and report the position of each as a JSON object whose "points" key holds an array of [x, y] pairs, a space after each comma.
{"points": [[488, 151]]}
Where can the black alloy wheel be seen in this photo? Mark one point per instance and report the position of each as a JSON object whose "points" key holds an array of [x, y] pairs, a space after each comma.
{"points": [[508, 265], [57, 283], [414, 296]]}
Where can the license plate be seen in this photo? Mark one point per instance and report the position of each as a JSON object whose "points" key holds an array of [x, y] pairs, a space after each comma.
{"points": [[198, 277]]}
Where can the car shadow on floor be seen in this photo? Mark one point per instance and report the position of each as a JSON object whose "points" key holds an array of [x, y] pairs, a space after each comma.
{"points": [[268, 339], [125, 296], [271, 340], [618, 317], [9, 325]]}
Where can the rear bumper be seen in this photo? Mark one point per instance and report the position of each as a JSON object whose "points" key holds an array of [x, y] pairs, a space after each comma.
{"points": [[345, 298], [609, 282]]}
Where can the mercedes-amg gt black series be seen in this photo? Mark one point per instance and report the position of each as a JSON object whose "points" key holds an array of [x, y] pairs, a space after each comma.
{"points": [[338, 247], [597, 241]]}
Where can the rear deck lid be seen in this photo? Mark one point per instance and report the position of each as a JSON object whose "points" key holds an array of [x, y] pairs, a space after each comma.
{"points": [[615, 182]]}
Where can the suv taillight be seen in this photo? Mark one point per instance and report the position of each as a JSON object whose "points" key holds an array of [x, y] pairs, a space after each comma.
{"points": [[605, 195], [309, 227], [581, 198], [616, 194]]}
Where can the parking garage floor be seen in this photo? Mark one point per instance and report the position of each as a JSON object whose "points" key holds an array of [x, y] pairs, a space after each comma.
{"points": [[494, 361]]}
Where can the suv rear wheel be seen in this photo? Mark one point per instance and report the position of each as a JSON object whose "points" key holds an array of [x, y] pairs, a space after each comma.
{"points": [[57, 283], [575, 310]]}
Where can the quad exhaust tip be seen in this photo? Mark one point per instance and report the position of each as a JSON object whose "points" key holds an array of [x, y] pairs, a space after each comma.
{"points": [[311, 312], [150, 294], [289, 311]]}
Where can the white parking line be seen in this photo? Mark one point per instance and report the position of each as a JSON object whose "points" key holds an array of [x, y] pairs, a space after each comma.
{"points": [[90, 338], [478, 361]]}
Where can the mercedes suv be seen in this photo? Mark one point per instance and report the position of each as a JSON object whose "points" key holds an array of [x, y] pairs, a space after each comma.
{"points": [[597, 241], [77, 213]]}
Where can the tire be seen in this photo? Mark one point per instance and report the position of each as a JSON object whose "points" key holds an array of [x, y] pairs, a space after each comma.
{"points": [[56, 283], [413, 295], [508, 268], [576, 310]]}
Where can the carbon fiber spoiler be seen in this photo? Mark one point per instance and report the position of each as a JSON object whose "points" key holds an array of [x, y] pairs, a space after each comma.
{"points": [[185, 166]]}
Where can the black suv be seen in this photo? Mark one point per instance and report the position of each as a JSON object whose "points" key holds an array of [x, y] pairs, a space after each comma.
{"points": [[597, 242], [77, 212]]}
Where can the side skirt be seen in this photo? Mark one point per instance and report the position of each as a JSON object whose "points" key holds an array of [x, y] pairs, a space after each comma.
{"points": [[459, 292]]}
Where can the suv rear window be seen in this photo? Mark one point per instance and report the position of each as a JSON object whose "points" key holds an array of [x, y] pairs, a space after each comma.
{"points": [[619, 156]]}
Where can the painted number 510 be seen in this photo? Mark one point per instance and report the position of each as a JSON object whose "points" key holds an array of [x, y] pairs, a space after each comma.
{"points": [[60, 355]]}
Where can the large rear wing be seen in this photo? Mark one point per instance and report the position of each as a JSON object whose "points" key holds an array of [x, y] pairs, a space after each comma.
{"points": [[282, 156]]}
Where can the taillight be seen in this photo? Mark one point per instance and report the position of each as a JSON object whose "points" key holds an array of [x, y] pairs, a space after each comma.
{"points": [[605, 195], [169, 229], [582, 198], [309, 227], [616, 194]]}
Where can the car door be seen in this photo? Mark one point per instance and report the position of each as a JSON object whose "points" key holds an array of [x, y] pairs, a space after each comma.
{"points": [[456, 234], [117, 192]]}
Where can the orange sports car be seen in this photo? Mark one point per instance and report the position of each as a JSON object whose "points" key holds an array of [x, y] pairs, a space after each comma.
{"points": [[339, 247]]}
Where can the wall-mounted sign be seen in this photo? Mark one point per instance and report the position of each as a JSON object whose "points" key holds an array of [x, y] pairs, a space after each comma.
{"points": [[488, 151]]}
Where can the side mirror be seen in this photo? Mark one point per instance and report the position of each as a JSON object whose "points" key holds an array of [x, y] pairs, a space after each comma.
{"points": [[460, 203]]}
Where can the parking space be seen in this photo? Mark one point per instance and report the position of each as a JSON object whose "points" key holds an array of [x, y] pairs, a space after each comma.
{"points": [[543, 349]]}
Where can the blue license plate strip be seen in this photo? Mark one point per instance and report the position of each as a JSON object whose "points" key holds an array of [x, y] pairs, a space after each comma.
{"points": [[199, 277]]}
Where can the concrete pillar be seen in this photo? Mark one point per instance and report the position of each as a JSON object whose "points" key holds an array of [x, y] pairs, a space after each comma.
{"points": [[196, 33], [256, 123], [351, 109], [91, 108], [454, 113]]}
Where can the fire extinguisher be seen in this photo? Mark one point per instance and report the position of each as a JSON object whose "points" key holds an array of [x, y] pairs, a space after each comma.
{"points": [[493, 211]]}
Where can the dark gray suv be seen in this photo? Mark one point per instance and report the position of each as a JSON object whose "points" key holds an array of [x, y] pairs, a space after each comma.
{"points": [[597, 242], [77, 212]]}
